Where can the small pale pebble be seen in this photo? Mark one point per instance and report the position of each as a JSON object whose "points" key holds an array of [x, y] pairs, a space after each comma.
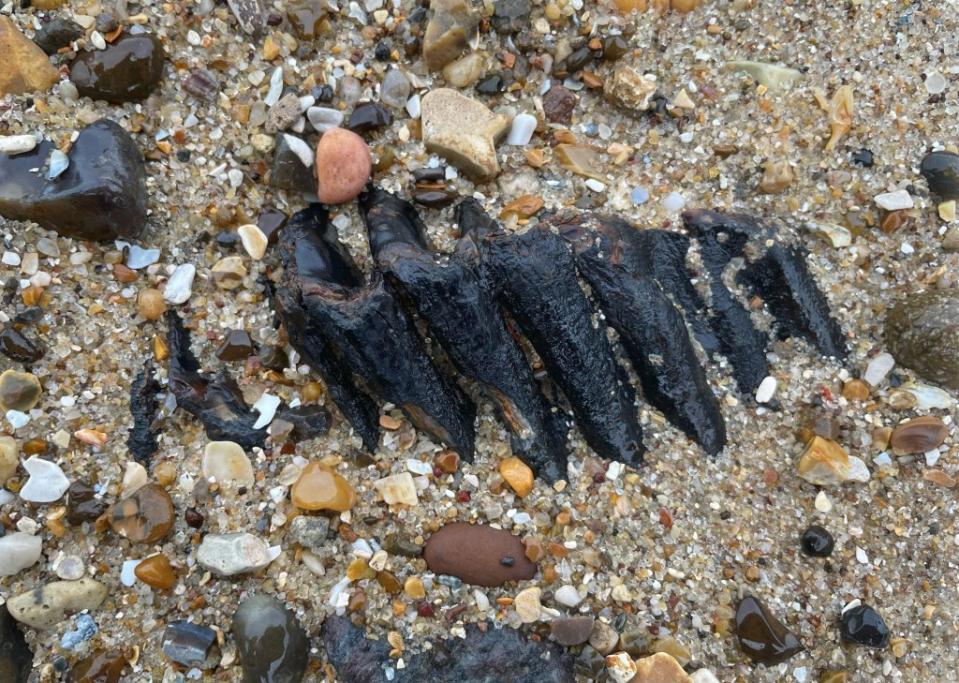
{"points": [[595, 185], [639, 195], [98, 41], [413, 107], [276, 87], [766, 390], [620, 667], [59, 162], [322, 119], [878, 368], [674, 202], [703, 676], [521, 131], [932, 457], [134, 477], [17, 419], [361, 548], [418, 466], [253, 239], [482, 602], [10, 258], [907, 248], [395, 89], [127, 577], [226, 462], [69, 567], [894, 201], [17, 144], [858, 471], [823, 504], [527, 605], [397, 489], [18, 551], [568, 596], [935, 83], [266, 406], [138, 257], [836, 235], [236, 553], [861, 556], [47, 482], [178, 288]]}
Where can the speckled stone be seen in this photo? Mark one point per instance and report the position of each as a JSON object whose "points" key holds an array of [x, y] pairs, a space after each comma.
{"points": [[922, 333], [146, 516], [48, 604]]}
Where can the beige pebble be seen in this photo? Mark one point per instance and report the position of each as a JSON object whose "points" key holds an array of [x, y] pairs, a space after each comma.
{"points": [[226, 461], [463, 131], [527, 605], [397, 489], [228, 272], [49, 604], [343, 165], [253, 239]]}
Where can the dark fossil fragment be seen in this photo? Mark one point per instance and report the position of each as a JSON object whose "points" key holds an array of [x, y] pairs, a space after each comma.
{"points": [[451, 296], [650, 327], [142, 440], [535, 278], [362, 325]]}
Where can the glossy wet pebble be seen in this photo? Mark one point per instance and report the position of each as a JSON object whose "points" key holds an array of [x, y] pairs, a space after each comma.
{"points": [[478, 554], [48, 604], [761, 636], [918, 435], [19, 390], [157, 572], [103, 666], [144, 517], [317, 488], [941, 171], [343, 165], [922, 333], [18, 551], [126, 71], [187, 643], [25, 67], [863, 625], [16, 658], [817, 542], [272, 645], [17, 346]]}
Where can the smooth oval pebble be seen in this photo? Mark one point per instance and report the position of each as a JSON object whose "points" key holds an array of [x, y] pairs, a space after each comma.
{"points": [[572, 630], [317, 488], [478, 554], [817, 542], [19, 390], [762, 636], [941, 171], [922, 333], [253, 239], [227, 462], [156, 572], [343, 164], [272, 644], [863, 625], [324, 118], [50, 603], [18, 551], [236, 553], [125, 71], [146, 516], [918, 435]]}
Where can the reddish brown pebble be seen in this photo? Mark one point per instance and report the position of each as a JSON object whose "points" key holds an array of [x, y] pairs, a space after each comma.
{"points": [[343, 165], [156, 572], [478, 554], [447, 461], [105, 666], [918, 435], [144, 517]]}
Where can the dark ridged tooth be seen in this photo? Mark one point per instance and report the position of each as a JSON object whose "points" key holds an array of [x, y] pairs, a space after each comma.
{"points": [[781, 278], [650, 327], [535, 276], [465, 319], [361, 328], [721, 238]]}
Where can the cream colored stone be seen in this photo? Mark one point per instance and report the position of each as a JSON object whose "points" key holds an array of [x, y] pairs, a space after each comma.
{"points": [[253, 239], [824, 463], [397, 489], [620, 667], [659, 668], [527, 605], [9, 457], [226, 462], [463, 131]]}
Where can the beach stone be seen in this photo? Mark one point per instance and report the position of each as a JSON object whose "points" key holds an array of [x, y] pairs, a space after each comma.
{"points": [[236, 346], [922, 333], [310, 532], [82, 503], [250, 14], [397, 489], [572, 630], [941, 171], [284, 114], [518, 475], [57, 33], [128, 70], [761, 636], [236, 553], [16, 658], [773, 76], [510, 16], [463, 72], [229, 272], [451, 26], [100, 196], [18, 551], [16, 346], [630, 88], [343, 165], [46, 484], [463, 131], [226, 462], [25, 67], [254, 240], [369, 116], [527, 605], [603, 638], [478, 554], [156, 572], [50, 603], [103, 666], [659, 668], [620, 667], [187, 643], [318, 488], [292, 165], [19, 390], [878, 368], [863, 625], [150, 303], [146, 516], [272, 645], [395, 89], [9, 457], [817, 542], [824, 463], [918, 435], [558, 105]]}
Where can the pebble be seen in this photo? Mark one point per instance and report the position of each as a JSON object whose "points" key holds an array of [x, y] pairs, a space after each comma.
{"points": [[817, 542], [451, 27], [229, 272], [57, 33], [273, 646], [187, 643], [250, 14], [254, 241], [369, 116], [767, 389], [101, 196], [134, 477], [318, 488], [18, 551], [343, 165], [778, 176], [82, 503], [773, 76], [397, 489], [50, 603], [527, 605], [9, 457], [630, 88], [25, 68], [17, 144], [226, 462], [835, 235], [558, 105], [127, 70], [510, 16], [518, 475], [761, 636], [918, 435], [603, 637], [922, 333], [46, 484], [16, 346], [707, 676], [102, 666], [567, 595], [572, 630], [310, 532], [462, 131], [522, 129], [894, 201], [941, 171], [879, 368], [57, 164], [620, 667], [863, 625], [179, 287], [935, 83], [292, 165], [465, 71], [822, 502], [284, 114], [19, 390], [395, 89], [157, 572], [146, 516], [659, 668], [235, 553], [150, 303], [824, 463], [478, 554], [324, 118]]}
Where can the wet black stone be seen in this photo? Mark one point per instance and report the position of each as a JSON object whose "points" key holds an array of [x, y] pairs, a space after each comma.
{"points": [[183, 155], [237, 346], [16, 346], [227, 239], [510, 16], [106, 23], [15, 656], [862, 157], [383, 51], [144, 406], [82, 504], [491, 85], [270, 221], [322, 93], [614, 47], [288, 171], [126, 71], [579, 59], [57, 33], [187, 643], [863, 625], [430, 175], [817, 542], [761, 636], [102, 194], [368, 116], [272, 645], [941, 171], [434, 198]]}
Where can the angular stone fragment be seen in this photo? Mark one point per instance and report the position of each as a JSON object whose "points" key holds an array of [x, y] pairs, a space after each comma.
{"points": [[126, 71], [272, 644], [761, 636], [101, 195], [478, 554], [57, 33], [50, 603], [451, 27], [236, 553], [922, 333], [249, 14], [187, 643], [157, 572], [463, 131], [397, 489], [863, 625], [572, 630], [25, 67], [773, 76], [824, 463], [659, 668], [292, 165], [47, 482], [630, 88]]}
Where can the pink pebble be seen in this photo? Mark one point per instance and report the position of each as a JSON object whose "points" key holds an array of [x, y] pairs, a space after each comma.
{"points": [[343, 165]]}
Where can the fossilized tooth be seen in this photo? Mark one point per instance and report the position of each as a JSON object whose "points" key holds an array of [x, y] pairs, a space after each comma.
{"points": [[650, 327], [364, 325], [536, 281], [723, 237], [781, 278], [142, 440], [308, 257], [450, 295]]}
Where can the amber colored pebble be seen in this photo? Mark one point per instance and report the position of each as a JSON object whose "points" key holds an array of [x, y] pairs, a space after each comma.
{"points": [[448, 461], [122, 273], [534, 549], [105, 666], [918, 435], [320, 489], [627, 6], [160, 349], [834, 677], [34, 447], [150, 303], [893, 221], [357, 602], [685, 5], [939, 478], [144, 517], [855, 390], [518, 475], [156, 572], [389, 582], [557, 549], [359, 569], [522, 207], [312, 392], [752, 573], [165, 473], [32, 295], [414, 588], [390, 423]]}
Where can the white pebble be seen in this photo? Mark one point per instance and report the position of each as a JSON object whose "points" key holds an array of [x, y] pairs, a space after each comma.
{"points": [[179, 287], [861, 556], [266, 406], [932, 457], [17, 419], [237, 553], [193, 38], [134, 478], [226, 461], [18, 551], [47, 482], [568, 596], [127, 577], [767, 389], [10, 258], [935, 83], [879, 366], [418, 466], [858, 470], [522, 130], [17, 144], [300, 149], [276, 87], [823, 504], [98, 41], [595, 185], [413, 107], [482, 602], [894, 201], [253, 239], [59, 162], [138, 257], [674, 201], [322, 119], [703, 676]]}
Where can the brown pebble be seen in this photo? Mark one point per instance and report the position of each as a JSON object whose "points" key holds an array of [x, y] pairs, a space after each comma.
{"points": [[478, 554], [447, 461], [918, 435], [103, 666], [343, 165], [144, 517], [156, 572], [855, 390], [572, 630], [150, 303]]}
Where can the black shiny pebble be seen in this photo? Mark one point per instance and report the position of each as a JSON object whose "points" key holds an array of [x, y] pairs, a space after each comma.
{"points": [[382, 51], [817, 542], [368, 116], [863, 625], [16, 346], [941, 171], [862, 157], [491, 85]]}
